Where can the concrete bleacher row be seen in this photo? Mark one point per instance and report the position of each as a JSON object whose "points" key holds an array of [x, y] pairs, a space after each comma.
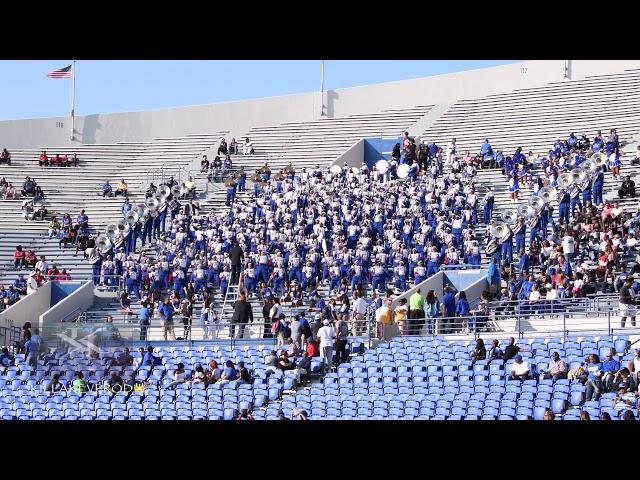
{"points": [[532, 118], [70, 189]]}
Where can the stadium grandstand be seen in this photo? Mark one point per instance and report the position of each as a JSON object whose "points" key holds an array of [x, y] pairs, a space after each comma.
{"points": [[456, 247]]}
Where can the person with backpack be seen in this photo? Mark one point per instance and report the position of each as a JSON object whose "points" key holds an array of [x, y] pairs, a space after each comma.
{"points": [[342, 335]]}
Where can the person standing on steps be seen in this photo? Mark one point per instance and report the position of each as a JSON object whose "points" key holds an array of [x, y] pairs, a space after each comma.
{"points": [[237, 258]]}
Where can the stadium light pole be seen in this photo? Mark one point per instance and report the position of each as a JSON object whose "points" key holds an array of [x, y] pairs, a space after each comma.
{"points": [[73, 101], [322, 89]]}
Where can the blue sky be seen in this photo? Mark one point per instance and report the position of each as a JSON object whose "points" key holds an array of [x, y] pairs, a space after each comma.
{"points": [[120, 86]]}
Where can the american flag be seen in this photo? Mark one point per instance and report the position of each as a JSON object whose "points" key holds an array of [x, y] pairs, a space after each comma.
{"points": [[65, 72]]}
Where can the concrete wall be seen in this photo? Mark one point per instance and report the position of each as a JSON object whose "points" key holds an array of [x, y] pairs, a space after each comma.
{"points": [[434, 282], [462, 279], [81, 298], [28, 309], [377, 148], [352, 157], [61, 290], [239, 117]]}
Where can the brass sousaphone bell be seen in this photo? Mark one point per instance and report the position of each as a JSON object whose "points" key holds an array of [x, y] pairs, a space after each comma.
{"points": [[103, 243], [111, 231], [589, 166], [536, 203], [509, 216], [600, 159], [500, 231], [565, 180], [547, 194]]}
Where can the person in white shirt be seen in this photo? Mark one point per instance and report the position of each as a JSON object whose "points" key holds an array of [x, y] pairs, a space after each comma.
{"points": [[359, 310], [32, 284], [568, 247], [520, 369], [326, 334]]}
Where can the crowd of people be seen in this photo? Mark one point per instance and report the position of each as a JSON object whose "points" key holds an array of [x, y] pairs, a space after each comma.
{"points": [[58, 161]]}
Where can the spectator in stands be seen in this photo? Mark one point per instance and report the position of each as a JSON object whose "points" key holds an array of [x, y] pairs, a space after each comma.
{"points": [[6, 359], [462, 311], [634, 366], [44, 159], [179, 376], [28, 188], [342, 336], [301, 414], [242, 315], [115, 383], [627, 303], [400, 317], [636, 160], [190, 185], [495, 352], [480, 314], [213, 374], [229, 373], [204, 164], [10, 192], [584, 415], [605, 416], [625, 398], [431, 311], [480, 352], [520, 369], [594, 378], [107, 190], [166, 312], [247, 147], [557, 368], [512, 350], [628, 187], [123, 189], [18, 255], [628, 415], [222, 149], [5, 157], [610, 368], [80, 385], [326, 334], [233, 147], [549, 415]]}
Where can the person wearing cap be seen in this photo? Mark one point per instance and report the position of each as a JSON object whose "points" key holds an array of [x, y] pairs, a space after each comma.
{"points": [[610, 367], [558, 369], [326, 334], [627, 303], [520, 369], [625, 398]]}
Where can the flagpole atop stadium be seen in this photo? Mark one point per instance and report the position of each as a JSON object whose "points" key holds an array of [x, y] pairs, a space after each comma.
{"points": [[322, 90], [73, 100]]}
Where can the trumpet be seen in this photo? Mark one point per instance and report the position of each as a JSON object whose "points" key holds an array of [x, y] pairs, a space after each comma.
{"points": [[536, 203], [509, 216], [110, 231]]}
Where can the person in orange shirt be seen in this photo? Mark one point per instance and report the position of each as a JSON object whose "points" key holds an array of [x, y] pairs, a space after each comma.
{"points": [[122, 188]]}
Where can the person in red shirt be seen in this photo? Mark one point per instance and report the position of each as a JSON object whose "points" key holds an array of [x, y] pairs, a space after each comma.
{"points": [[30, 258], [39, 278], [312, 348], [64, 161], [44, 160], [63, 275], [18, 258]]}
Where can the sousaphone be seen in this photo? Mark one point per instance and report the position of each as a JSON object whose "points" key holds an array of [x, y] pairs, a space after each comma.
{"points": [[335, 169], [382, 166], [547, 194], [509, 216]]}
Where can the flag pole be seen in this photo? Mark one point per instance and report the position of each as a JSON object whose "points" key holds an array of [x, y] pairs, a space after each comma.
{"points": [[322, 90], [73, 100]]}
